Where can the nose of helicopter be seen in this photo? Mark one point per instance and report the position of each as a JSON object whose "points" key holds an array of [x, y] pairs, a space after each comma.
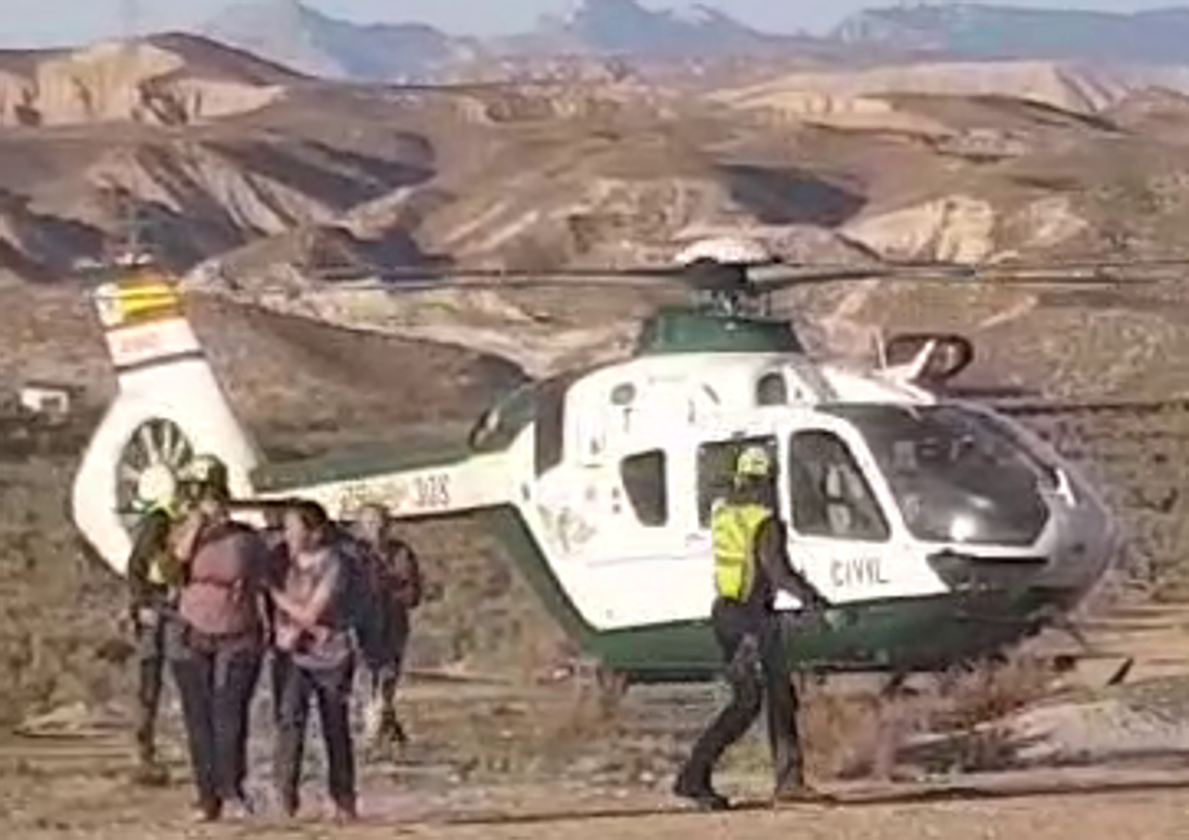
{"points": [[1085, 542], [1055, 574]]}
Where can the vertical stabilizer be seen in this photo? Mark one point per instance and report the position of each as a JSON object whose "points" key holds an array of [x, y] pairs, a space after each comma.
{"points": [[169, 408]]}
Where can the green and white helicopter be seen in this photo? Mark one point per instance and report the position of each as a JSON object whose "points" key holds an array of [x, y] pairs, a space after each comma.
{"points": [[942, 530]]}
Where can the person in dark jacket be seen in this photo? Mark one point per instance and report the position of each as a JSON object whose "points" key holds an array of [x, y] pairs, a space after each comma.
{"points": [[750, 564], [152, 584], [393, 578]]}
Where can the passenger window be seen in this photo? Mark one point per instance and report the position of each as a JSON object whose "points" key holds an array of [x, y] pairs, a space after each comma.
{"points": [[771, 390], [716, 470], [830, 496], [643, 478]]}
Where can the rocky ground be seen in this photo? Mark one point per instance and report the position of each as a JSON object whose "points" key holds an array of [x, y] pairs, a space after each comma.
{"points": [[497, 759]]}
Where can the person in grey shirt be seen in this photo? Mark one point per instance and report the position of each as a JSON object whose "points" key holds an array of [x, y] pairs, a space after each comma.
{"points": [[314, 629]]}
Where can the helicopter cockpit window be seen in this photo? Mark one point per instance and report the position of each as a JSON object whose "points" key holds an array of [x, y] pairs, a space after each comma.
{"points": [[772, 390], [957, 475], [716, 470], [830, 496], [643, 478], [499, 425]]}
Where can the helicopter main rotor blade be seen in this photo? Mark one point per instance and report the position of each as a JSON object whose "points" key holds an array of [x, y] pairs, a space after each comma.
{"points": [[511, 283], [1107, 299], [401, 273], [706, 276], [771, 279], [723, 278]]}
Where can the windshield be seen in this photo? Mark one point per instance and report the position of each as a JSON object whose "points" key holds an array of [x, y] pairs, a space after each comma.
{"points": [[957, 475]]}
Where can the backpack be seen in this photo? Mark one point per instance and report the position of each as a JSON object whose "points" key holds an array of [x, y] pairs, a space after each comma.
{"points": [[416, 585], [359, 594]]}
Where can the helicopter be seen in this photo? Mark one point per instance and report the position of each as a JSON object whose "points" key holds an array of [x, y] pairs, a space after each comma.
{"points": [[942, 530]]}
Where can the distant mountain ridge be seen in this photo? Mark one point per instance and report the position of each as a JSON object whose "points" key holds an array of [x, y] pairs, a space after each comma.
{"points": [[294, 34], [624, 26], [984, 31], [298, 36]]}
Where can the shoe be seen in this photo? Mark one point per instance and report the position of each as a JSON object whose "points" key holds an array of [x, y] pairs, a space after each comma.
{"points": [[208, 812], [345, 812], [399, 735], [796, 793], [241, 807], [702, 795], [151, 774]]}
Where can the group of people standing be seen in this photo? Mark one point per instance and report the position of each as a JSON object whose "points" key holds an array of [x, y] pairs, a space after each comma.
{"points": [[215, 598]]}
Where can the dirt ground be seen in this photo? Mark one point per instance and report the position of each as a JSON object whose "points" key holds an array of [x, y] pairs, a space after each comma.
{"points": [[76, 784]]}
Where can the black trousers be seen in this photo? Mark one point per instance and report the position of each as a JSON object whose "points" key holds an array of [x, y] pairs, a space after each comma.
{"points": [[150, 667], [384, 654], [756, 668], [330, 689], [216, 679], [279, 665]]}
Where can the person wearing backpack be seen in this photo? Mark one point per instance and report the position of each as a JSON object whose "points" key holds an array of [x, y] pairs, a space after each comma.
{"points": [[394, 584]]}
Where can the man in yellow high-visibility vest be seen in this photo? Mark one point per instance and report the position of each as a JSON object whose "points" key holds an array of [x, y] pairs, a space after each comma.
{"points": [[153, 580], [750, 564]]}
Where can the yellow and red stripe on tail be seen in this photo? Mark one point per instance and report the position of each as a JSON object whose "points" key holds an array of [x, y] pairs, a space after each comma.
{"points": [[144, 324]]}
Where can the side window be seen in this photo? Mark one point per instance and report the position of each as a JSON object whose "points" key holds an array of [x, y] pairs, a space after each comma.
{"points": [[830, 496], [643, 478], [550, 424], [716, 470], [771, 390]]}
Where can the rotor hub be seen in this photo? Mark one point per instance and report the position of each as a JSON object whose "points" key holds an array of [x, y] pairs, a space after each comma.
{"points": [[725, 250], [157, 484]]}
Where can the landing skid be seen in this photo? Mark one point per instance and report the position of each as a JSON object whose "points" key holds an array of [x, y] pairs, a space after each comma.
{"points": [[1065, 664], [983, 690], [608, 685], [612, 685]]}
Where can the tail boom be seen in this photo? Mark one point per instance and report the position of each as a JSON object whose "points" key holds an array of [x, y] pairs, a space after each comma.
{"points": [[445, 489]]}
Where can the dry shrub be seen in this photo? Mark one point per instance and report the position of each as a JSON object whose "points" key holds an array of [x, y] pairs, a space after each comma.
{"points": [[60, 610], [860, 734], [977, 697], [840, 733], [584, 719]]}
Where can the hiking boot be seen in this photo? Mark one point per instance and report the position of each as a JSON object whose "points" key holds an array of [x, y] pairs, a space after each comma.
{"points": [[798, 793], [208, 812], [150, 774], [287, 804], [399, 735], [241, 807], [345, 812], [702, 795]]}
